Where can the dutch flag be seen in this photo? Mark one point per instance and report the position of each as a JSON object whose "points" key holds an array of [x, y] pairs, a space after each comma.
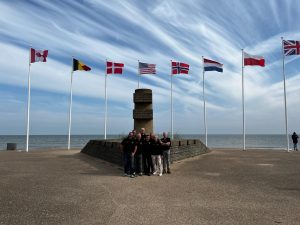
{"points": [[210, 65]]}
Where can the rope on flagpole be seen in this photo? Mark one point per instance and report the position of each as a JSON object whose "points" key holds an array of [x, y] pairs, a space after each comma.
{"points": [[285, 104]]}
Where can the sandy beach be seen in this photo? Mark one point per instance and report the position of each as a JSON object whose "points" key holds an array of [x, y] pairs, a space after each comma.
{"points": [[221, 187]]}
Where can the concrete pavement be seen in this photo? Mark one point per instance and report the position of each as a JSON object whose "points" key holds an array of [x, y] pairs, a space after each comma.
{"points": [[221, 187]]}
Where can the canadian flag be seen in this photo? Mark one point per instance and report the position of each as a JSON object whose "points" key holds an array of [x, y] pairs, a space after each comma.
{"points": [[38, 55], [114, 68], [253, 60]]}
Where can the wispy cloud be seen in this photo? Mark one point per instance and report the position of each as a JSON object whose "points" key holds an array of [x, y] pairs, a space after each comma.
{"points": [[154, 32]]}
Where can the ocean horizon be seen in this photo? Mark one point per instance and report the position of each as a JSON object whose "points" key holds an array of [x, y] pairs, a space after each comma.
{"points": [[265, 141]]}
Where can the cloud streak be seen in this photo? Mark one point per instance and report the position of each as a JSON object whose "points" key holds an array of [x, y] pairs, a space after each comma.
{"points": [[154, 32]]}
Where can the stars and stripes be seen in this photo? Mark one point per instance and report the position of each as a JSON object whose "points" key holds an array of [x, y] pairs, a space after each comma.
{"points": [[180, 68], [146, 68], [291, 47]]}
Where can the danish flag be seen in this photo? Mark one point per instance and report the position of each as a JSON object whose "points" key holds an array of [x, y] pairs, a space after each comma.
{"points": [[114, 68], [38, 55]]}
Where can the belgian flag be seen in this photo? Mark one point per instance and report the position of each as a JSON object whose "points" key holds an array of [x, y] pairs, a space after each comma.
{"points": [[77, 65]]}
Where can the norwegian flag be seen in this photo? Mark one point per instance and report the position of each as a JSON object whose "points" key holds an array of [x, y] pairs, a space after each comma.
{"points": [[38, 55], [291, 47], [180, 68], [114, 68]]}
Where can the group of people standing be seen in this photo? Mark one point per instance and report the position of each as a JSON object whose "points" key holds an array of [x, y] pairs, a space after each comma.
{"points": [[146, 154]]}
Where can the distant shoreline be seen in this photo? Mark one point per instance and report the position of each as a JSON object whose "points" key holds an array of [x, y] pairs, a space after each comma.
{"points": [[212, 149], [258, 141]]}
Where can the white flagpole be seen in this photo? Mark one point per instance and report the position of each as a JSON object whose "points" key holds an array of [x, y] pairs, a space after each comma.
{"points": [[70, 108], [285, 105], [172, 134], [139, 74], [28, 103], [243, 102], [205, 125], [105, 96]]}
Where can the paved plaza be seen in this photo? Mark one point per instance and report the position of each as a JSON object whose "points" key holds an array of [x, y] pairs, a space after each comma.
{"points": [[221, 187]]}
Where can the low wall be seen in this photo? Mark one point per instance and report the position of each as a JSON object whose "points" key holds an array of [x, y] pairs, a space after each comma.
{"points": [[109, 150]]}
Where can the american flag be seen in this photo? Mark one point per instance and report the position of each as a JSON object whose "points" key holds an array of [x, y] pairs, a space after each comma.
{"points": [[291, 47], [146, 68], [180, 68]]}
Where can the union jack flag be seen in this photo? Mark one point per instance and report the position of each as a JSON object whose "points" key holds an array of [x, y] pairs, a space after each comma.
{"points": [[180, 68], [291, 47]]}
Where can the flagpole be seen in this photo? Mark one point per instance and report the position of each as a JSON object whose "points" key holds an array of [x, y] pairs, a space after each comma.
{"points": [[138, 75], [285, 105], [205, 125], [70, 107], [243, 102], [105, 112], [172, 135], [28, 103]]}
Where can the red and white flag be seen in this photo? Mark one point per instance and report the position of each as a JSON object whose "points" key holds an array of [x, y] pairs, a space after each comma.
{"points": [[253, 60], [180, 68], [291, 47], [114, 68], [38, 55]]}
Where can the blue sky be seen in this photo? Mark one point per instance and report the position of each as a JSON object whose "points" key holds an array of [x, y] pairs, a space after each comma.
{"points": [[153, 31]]}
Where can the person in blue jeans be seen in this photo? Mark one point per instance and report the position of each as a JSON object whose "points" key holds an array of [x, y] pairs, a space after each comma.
{"points": [[128, 147], [166, 145]]}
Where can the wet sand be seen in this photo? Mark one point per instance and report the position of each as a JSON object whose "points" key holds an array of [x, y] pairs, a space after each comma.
{"points": [[222, 187]]}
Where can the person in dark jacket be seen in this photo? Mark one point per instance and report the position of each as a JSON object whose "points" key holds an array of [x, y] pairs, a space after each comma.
{"points": [[156, 153], [147, 161], [166, 145], [143, 134], [138, 157], [128, 147], [295, 141]]}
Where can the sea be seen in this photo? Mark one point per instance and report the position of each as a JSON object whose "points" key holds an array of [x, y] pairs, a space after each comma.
{"points": [[41, 142]]}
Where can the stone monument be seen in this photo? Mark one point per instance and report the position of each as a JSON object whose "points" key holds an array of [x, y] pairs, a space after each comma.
{"points": [[143, 112], [109, 150]]}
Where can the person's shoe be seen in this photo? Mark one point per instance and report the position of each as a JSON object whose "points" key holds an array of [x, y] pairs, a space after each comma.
{"points": [[149, 174], [154, 173], [169, 171], [140, 174], [126, 174], [132, 176], [164, 171], [160, 174]]}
